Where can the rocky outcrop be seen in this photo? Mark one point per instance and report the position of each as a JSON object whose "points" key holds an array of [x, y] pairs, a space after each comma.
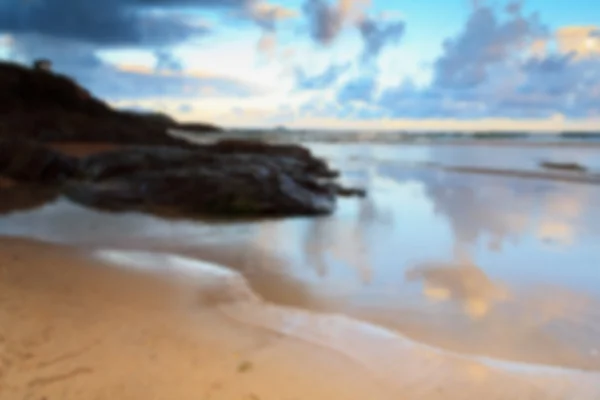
{"points": [[41, 105], [26, 161], [226, 178], [152, 170]]}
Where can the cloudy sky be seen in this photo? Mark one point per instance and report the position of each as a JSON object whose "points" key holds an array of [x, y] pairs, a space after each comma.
{"points": [[375, 64]]}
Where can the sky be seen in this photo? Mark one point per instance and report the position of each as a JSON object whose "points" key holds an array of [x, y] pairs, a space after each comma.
{"points": [[336, 64]]}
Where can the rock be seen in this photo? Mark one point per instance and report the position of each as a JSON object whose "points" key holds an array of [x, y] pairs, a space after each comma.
{"points": [[230, 177], [32, 162], [251, 191], [239, 146], [349, 192], [291, 159], [196, 127], [41, 105], [259, 147], [210, 179], [563, 166]]}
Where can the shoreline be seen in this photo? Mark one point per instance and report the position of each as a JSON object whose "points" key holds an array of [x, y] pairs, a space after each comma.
{"points": [[65, 329], [180, 336]]}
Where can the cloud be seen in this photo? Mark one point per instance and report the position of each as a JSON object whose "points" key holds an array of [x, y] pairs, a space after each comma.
{"points": [[582, 40], [267, 15], [116, 82], [485, 40], [167, 61], [267, 43], [326, 20], [498, 66], [106, 23], [324, 80], [361, 89], [377, 34], [72, 34], [186, 108], [122, 84]]}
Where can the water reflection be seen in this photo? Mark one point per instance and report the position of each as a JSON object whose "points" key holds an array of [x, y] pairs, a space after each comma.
{"points": [[465, 284], [479, 264]]}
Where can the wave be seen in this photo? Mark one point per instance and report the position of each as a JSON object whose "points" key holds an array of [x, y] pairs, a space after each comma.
{"points": [[410, 368]]}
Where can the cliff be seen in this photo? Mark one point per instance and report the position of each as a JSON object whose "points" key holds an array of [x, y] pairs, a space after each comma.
{"points": [[44, 106]]}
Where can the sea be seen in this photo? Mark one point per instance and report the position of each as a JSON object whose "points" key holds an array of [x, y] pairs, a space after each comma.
{"points": [[466, 245]]}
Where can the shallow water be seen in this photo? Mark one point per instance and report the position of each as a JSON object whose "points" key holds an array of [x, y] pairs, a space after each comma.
{"points": [[486, 265]]}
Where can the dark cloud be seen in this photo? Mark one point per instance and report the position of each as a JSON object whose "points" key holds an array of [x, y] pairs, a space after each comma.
{"points": [[107, 22], [378, 34], [70, 33], [325, 20], [324, 80]]}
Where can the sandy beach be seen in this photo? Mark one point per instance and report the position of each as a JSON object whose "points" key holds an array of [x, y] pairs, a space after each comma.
{"points": [[75, 327], [299, 200], [98, 305]]}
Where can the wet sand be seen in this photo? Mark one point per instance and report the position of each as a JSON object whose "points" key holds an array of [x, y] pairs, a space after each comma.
{"points": [[73, 327]]}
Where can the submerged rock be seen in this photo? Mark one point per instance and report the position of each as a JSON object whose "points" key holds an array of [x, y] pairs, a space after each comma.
{"points": [[564, 166]]}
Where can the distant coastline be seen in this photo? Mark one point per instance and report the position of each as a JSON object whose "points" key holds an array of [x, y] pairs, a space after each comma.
{"points": [[525, 138]]}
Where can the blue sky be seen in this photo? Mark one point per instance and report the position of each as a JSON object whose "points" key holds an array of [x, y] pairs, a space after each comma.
{"points": [[378, 64]]}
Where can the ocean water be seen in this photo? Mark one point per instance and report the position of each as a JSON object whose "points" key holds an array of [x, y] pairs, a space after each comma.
{"points": [[487, 267]]}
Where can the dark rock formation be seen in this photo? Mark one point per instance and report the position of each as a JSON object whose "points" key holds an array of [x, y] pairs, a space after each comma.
{"points": [[41, 105], [197, 127], [161, 173], [226, 178], [563, 166], [27, 161]]}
